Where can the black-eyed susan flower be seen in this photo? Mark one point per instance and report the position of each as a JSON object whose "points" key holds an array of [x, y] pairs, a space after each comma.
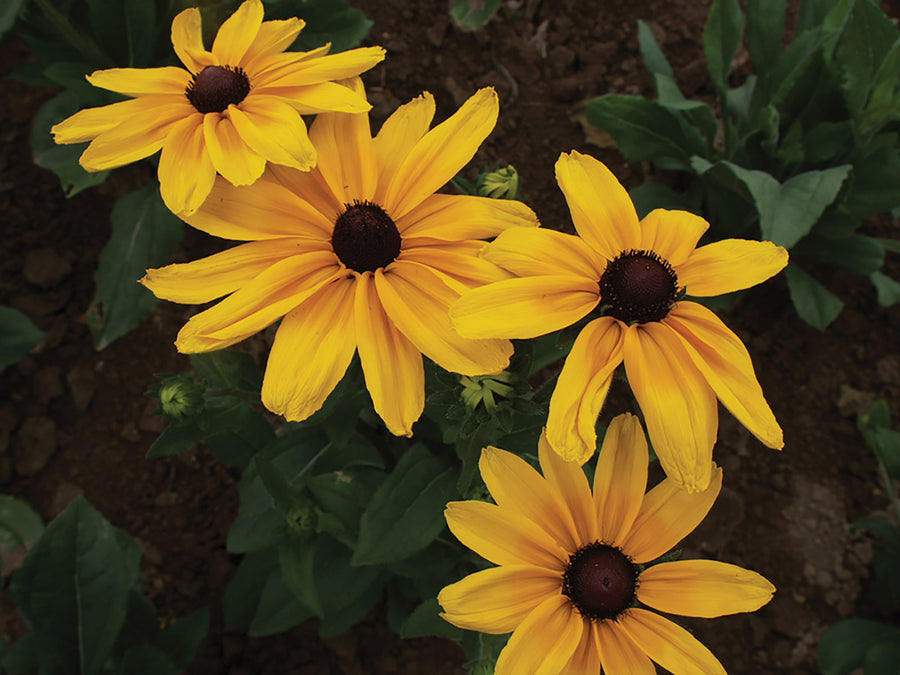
{"points": [[573, 584], [229, 110], [678, 355], [358, 254]]}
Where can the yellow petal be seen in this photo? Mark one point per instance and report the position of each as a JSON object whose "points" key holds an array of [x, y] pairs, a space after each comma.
{"points": [[237, 163], [619, 655], [340, 66], [441, 153], [186, 173], [318, 98], [679, 406], [265, 210], [87, 124], [457, 263], [497, 600], [586, 659], [601, 209], [417, 302], [136, 137], [620, 478], [524, 308], [268, 297], [582, 387], [273, 130], [517, 487], [705, 588], [537, 251], [311, 188], [668, 514], [398, 135], [237, 33], [722, 358], [141, 81], [730, 265], [313, 347], [212, 277], [391, 364], [187, 39], [569, 484], [460, 217], [504, 537], [544, 642], [673, 235], [273, 38], [670, 645]]}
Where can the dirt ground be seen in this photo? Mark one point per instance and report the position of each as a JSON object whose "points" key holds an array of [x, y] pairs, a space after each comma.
{"points": [[75, 421]]}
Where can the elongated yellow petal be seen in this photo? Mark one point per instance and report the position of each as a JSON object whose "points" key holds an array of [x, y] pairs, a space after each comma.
{"points": [[517, 487], [391, 364], [417, 302], [524, 308], [673, 235], [586, 658], [140, 81], [730, 265], [186, 173], [237, 163], [544, 642], [398, 135], [268, 297], [317, 98], [237, 33], [722, 358], [504, 537], [460, 217], [313, 347], [212, 277], [670, 645], [89, 123], [136, 137], [497, 600], [187, 39], [273, 37], [668, 514], [621, 478], [679, 406], [601, 209], [311, 188], [537, 251], [457, 263], [324, 68], [706, 588], [570, 486], [441, 153], [582, 387], [619, 655], [264, 211], [274, 130]]}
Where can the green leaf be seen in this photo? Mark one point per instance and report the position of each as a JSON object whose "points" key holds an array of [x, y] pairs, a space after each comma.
{"points": [[697, 113], [424, 621], [887, 447], [333, 21], [473, 14], [828, 142], [876, 183], [22, 657], [145, 234], [229, 369], [882, 528], [348, 593], [180, 640], [245, 588], [812, 14], [61, 159], [814, 303], [20, 525], [887, 290], [407, 511], [140, 24], [18, 336], [8, 13], [654, 58], [345, 494], [147, 660], [278, 609], [843, 647], [882, 659], [796, 74], [884, 100], [73, 589], [765, 29], [885, 583], [297, 557], [858, 253], [721, 37]]}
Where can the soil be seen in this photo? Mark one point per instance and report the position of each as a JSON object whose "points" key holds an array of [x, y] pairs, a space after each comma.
{"points": [[75, 421]]}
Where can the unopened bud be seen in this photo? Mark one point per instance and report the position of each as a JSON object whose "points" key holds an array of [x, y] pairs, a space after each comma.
{"points": [[500, 184], [181, 396], [481, 389]]}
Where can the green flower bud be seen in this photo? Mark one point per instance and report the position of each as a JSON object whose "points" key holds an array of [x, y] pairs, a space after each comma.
{"points": [[181, 396], [302, 519], [481, 389], [500, 184]]}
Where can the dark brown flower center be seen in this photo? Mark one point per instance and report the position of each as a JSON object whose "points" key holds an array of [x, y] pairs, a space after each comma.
{"points": [[638, 286], [214, 88], [365, 238], [601, 581]]}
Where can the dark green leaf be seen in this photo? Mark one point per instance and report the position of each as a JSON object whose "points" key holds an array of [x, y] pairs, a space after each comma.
{"points": [[297, 557], [333, 21], [812, 14], [882, 528], [698, 114], [145, 234], [424, 622], [347, 593], [814, 303], [180, 640], [858, 253], [887, 289], [140, 24], [828, 142], [721, 37], [654, 58], [883, 658], [20, 522], [229, 369], [245, 588], [345, 494], [884, 586], [241, 435], [8, 13], [147, 660], [18, 335], [765, 28], [259, 524], [876, 183], [73, 589], [796, 74], [884, 101], [22, 657], [843, 647], [887, 447], [473, 14], [340, 620], [278, 609]]}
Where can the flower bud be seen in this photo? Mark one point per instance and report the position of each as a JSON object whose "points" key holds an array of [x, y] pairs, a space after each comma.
{"points": [[181, 396], [481, 389], [500, 184]]}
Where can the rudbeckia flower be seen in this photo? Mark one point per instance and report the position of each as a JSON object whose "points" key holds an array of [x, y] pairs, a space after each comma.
{"points": [[678, 355], [358, 254], [229, 110], [573, 583]]}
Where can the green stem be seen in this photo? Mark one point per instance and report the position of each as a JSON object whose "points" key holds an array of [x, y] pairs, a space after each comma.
{"points": [[888, 483]]}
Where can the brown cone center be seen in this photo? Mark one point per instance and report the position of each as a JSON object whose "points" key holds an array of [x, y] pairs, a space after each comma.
{"points": [[214, 88], [365, 238], [639, 287], [601, 581]]}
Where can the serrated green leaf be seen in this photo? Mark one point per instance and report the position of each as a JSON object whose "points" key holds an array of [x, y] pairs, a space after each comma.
{"points": [[765, 29], [145, 234], [473, 14], [843, 646], [812, 14], [814, 303], [721, 37], [425, 621], [884, 100], [18, 336], [19, 520], [887, 289], [796, 74]]}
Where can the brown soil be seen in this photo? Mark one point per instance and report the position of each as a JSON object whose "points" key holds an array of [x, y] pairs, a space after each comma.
{"points": [[783, 514]]}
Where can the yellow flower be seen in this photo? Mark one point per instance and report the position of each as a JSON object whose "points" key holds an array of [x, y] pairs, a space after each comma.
{"points": [[234, 108], [678, 355], [357, 254], [572, 585]]}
